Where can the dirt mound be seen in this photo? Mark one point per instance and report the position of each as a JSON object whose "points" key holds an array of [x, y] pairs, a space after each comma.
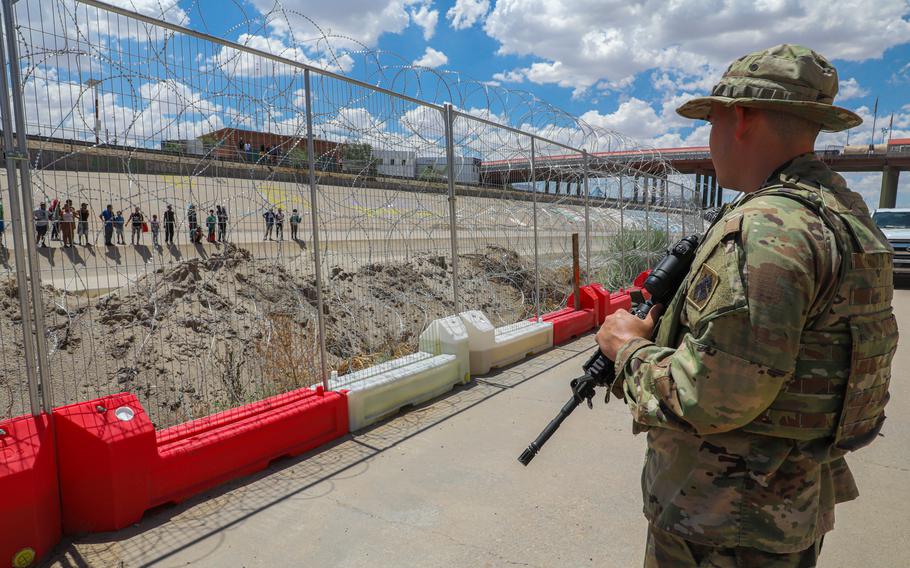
{"points": [[208, 334]]}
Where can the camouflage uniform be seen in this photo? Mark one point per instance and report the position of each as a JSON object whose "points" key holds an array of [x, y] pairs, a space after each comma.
{"points": [[742, 392]]}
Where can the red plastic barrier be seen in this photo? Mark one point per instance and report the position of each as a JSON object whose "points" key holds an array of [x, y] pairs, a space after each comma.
{"points": [[114, 467], [620, 300], [29, 496], [639, 281], [603, 301], [105, 459], [206, 452], [569, 323], [589, 301], [638, 286]]}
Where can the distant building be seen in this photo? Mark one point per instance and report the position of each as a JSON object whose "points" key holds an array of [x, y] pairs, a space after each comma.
{"points": [[192, 146], [467, 170], [397, 163], [226, 144]]}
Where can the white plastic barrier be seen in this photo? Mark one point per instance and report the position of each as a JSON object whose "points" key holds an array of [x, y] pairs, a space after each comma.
{"points": [[349, 380], [449, 335], [497, 347], [374, 394]]}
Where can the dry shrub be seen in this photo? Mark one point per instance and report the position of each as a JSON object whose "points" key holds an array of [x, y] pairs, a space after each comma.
{"points": [[363, 361], [288, 353]]}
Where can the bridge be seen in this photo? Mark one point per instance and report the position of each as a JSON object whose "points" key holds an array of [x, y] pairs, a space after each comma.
{"points": [[652, 165]]}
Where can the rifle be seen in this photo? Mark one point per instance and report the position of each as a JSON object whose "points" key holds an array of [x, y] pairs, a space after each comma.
{"points": [[662, 284]]}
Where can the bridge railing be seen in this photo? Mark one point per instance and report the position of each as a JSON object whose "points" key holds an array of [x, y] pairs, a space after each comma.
{"points": [[350, 217]]}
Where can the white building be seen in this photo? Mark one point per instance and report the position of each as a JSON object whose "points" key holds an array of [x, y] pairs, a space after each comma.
{"points": [[467, 170], [397, 163], [186, 146]]}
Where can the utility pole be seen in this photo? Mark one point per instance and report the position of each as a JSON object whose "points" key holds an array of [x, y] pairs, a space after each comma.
{"points": [[93, 83], [874, 119]]}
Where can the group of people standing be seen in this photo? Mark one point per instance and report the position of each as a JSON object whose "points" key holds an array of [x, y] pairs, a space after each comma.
{"points": [[274, 220], [63, 220], [266, 154], [215, 224], [114, 224]]}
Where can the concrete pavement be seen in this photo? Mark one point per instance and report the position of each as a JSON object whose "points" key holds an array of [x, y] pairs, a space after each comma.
{"points": [[440, 486]]}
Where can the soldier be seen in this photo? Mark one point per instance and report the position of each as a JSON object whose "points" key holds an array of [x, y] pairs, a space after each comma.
{"points": [[773, 359]]}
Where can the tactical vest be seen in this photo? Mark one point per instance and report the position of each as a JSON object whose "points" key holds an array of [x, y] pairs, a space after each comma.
{"points": [[839, 388]]}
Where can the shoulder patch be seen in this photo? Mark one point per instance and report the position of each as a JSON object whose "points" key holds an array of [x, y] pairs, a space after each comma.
{"points": [[703, 287], [733, 225]]}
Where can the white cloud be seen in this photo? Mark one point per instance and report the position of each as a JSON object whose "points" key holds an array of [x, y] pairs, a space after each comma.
{"points": [[466, 13], [77, 37], [432, 58], [869, 185], [701, 80], [426, 18], [158, 111], [850, 89], [172, 97], [346, 23], [237, 63], [634, 117], [514, 76], [617, 85], [863, 134], [902, 75], [166, 9], [582, 42]]}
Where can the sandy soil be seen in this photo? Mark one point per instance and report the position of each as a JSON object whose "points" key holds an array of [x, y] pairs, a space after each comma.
{"points": [[208, 334]]}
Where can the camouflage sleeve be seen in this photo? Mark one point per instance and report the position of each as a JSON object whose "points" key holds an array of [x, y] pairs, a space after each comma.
{"points": [[744, 312]]}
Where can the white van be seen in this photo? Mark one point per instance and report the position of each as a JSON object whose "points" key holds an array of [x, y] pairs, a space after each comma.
{"points": [[895, 223]]}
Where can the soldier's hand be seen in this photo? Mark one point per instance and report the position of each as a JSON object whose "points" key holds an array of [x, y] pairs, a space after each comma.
{"points": [[621, 326]]}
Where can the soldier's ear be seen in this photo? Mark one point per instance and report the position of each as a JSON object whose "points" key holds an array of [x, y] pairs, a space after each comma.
{"points": [[745, 121]]}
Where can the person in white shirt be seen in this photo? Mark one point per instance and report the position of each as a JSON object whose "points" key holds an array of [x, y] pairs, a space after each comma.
{"points": [[42, 220]]}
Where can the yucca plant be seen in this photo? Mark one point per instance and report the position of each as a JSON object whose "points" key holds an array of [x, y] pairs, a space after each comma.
{"points": [[630, 252]]}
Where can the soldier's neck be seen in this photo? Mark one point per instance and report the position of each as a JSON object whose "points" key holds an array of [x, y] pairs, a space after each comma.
{"points": [[766, 164]]}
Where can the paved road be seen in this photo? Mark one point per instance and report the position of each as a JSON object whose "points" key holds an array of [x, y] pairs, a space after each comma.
{"points": [[440, 486]]}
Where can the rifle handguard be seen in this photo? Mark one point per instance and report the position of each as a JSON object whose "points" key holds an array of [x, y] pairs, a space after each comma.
{"points": [[663, 282]]}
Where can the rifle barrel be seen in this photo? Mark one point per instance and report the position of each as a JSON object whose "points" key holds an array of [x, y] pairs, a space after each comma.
{"points": [[535, 446]]}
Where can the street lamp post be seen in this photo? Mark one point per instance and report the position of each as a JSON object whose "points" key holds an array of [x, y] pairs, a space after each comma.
{"points": [[93, 83]]}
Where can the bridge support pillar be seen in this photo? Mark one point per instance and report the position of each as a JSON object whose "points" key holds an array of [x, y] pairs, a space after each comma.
{"points": [[700, 189], [888, 196], [709, 190]]}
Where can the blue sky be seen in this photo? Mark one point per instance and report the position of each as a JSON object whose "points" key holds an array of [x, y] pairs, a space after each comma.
{"points": [[618, 65]]}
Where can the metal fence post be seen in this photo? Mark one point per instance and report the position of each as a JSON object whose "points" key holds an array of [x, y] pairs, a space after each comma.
{"points": [[18, 227], [449, 116], [21, 150], [622, 224], [648, 229], [314, 204], [682, 209], [703, 187], [536, 255], [665, 201], [584, 154]]}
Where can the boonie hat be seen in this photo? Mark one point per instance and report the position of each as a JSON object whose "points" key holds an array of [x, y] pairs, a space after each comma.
{"points": [[788, 78]]}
